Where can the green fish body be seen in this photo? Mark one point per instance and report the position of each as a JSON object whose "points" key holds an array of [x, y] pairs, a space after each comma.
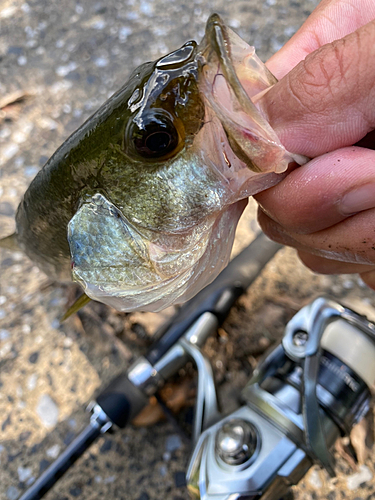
{"points": [[141, 203]]}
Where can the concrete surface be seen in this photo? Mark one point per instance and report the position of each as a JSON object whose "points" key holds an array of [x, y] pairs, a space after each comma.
{"points": [[58, 62]]}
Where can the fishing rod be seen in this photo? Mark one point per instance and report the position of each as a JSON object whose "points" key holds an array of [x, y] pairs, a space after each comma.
{"points": [[306, 393], [187, 330]]}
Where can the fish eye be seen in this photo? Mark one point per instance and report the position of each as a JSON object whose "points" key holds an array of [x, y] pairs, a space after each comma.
{"points": [[154, 136]]}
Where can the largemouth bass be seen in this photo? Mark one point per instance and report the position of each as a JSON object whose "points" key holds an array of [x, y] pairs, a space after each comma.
{"points": [[141, 203]]}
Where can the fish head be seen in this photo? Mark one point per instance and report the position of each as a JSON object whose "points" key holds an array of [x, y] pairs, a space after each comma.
{"points": [[180, 148]]}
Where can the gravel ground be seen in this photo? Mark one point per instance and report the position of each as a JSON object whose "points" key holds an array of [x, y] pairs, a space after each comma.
{"points": [[58, 62]]}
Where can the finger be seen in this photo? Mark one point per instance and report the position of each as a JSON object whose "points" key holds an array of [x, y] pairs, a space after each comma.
{"points": [[328, 100], [331, 20], [324, 192], [369, 279], [352, 240], [322, 265], [310, 256]]}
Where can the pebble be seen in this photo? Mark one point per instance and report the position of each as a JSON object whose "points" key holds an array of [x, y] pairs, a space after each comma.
{"points": [[25, 7], [59, 87], [24, 473], [13, 193], [19, 161], [163, 470], [47, 411], [233, 23], [110, 479], [101, 62], [66, 69], [5, 132], [26, 329], [23, 132], [4, 334], [5, 350], [12, 493], [348, 284], [264, 342], [8, 151], [173, 443], [100, 24], [31, 170], [289, 31], [53, 451], [8, 11], [355, 480], [68, 342], [55, 324], [276, 44], [123, 33], [146, 8], [72, 423], [22, 60], [314, 479]]}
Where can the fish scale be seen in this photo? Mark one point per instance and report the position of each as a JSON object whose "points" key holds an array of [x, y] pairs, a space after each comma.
{"points": [[140, 204]]}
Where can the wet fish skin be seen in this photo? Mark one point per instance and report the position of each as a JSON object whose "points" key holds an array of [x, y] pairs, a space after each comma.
{"points": [[89, 161], [141, 203]]}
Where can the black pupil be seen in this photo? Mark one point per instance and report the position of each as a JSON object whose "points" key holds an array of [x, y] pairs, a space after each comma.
{"points": [[156, 139], [158, 142]]}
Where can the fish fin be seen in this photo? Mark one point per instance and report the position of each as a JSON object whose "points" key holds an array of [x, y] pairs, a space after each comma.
{"points": [[10, 242], [78, 304]]}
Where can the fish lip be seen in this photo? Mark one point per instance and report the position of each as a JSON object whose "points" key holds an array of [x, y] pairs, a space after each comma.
{"points": [[232, 78], [219, 59], [217, 40]]}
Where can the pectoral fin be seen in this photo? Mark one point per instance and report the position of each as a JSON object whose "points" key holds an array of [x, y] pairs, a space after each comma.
{"points": [[78, 304]]}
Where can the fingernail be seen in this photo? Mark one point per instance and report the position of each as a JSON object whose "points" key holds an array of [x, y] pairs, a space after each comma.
{"points": [[357, 200]]}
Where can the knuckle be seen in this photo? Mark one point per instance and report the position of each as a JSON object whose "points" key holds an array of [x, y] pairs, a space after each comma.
{"points": [[322, 75], [336, 74]]}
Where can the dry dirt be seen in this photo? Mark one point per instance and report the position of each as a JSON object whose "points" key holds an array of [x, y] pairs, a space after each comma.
{"points": [[58, 62]]}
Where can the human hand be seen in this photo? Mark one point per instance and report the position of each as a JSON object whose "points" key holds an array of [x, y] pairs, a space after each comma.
{"points": [[326, 209]]}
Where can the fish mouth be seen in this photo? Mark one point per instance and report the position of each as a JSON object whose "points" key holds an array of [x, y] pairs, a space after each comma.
{"points": [[232, 78]]}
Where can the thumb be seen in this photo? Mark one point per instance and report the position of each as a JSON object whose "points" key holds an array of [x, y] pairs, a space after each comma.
{"points": [[331, 20], [328, 100]]}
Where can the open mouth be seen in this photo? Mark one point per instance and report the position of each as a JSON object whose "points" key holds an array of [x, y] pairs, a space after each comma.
{"points": [[231, 77]]}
